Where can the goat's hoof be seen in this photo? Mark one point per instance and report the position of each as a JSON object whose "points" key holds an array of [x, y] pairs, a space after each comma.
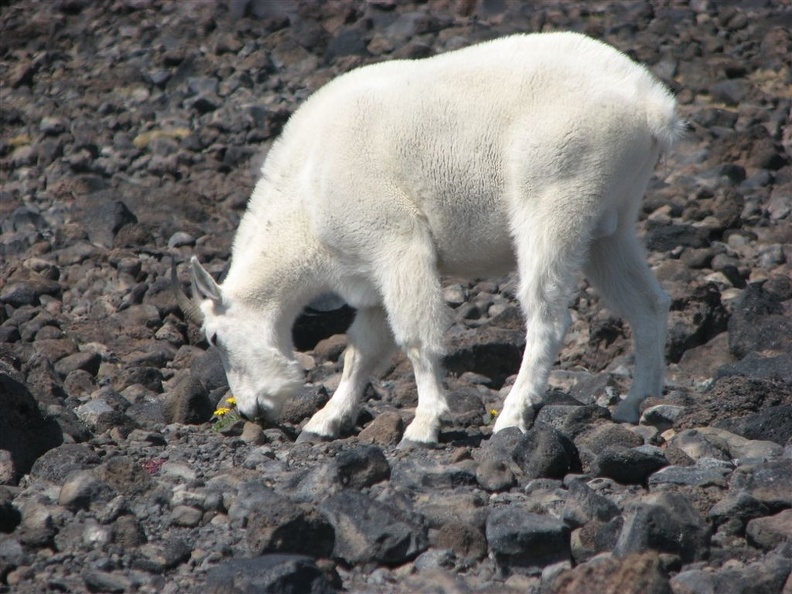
{"points": [[626, 414], [309, 437], [409, 444]]}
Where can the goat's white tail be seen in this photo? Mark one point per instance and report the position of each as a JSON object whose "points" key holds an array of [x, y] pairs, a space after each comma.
{"points": [[665, 123]]}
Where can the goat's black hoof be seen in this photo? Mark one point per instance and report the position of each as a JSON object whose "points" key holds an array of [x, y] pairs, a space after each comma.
{"points": [[409, 444], [308, 437]]}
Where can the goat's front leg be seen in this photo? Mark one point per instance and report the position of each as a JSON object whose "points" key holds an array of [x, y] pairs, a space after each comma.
{"points": [[413, 296], [432, 405], [370, 343]]}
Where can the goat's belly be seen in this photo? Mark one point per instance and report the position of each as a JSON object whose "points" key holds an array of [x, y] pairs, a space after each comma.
{"points": [[476, 255], [470, 239]]}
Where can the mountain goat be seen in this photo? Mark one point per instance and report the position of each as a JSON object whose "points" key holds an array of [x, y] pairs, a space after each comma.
{"points": [[530, 152]]}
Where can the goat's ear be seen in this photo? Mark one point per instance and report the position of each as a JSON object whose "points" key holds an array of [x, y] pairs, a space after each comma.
{"points": [[203, 283]]}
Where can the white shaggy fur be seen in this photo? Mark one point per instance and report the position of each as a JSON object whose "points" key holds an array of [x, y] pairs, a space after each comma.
{"points": [[531, 151]]}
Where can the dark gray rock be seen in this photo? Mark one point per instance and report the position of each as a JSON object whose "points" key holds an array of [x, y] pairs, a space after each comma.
{"points": [[28, 290], [147, 376], [188, 402], [12, 555], [307, 401], [311, 485], [249, 496], [106, 581], [160, 557], [43, 381], [494, 474], [24, 432], [584, 504], [730, 92], [668, 237], [56, 464], [596, 439], [468, 542], [125, 476], [460, 505], [102, 215], [595, 537], [9, 515], [629, 466], [739, 506], [38, 527], [435, 559], [541, 452], [693, 476], [592, 387], [279, 525], [666, 523], [732, 397], [524, 542], [421, 475], [779, 286], [757, 366], [82, 490], [466, 407], [347, 42], [662, 416], [208, 369], [773, 423], [271, 574], [85, 360], [362, 467], [768, 482], [696, 317], [758, 324], [127, 532], [571, 419], [490, 351], [367, 530], [761, 577]]}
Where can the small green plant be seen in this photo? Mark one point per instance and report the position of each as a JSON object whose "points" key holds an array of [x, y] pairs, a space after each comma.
{"points": [[226, 415], [491, 415]]}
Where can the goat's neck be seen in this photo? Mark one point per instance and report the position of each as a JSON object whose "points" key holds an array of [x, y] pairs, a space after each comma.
{"points": [[277, 265]]}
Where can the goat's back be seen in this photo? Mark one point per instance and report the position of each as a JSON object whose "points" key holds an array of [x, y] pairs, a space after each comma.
{"points": [[459, 139]]}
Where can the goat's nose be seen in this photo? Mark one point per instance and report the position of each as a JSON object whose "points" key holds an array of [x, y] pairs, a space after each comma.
{"points": [[251, 415], [257, 415]]}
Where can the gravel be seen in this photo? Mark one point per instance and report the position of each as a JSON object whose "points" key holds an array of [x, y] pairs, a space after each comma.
{"points": [[131, 135]]}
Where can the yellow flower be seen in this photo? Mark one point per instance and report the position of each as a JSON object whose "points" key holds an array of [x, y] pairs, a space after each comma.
{"points": [[231, 401], [493, 412], [223, 410]]}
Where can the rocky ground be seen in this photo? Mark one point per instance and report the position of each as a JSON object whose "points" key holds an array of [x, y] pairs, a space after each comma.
{"points": [[132, 131]]}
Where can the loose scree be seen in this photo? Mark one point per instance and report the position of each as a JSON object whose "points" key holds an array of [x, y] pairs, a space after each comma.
{"points": [[530, 152]]}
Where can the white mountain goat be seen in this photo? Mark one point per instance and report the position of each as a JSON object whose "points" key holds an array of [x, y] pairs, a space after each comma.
{"points": [[530, 151]]}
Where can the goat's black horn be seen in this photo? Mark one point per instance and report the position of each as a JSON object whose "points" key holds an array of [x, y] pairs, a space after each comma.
{"points": [[187, 305]]}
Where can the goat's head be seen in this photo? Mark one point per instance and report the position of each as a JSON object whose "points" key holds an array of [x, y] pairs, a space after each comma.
{"points": [[260, 374]]}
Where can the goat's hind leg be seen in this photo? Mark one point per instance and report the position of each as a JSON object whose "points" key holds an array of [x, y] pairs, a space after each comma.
{"points": [[617, 268], [370, 345], [548, 262]]}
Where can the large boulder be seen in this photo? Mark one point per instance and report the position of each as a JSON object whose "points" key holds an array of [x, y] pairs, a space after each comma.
{"points": [[24, 432]]}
